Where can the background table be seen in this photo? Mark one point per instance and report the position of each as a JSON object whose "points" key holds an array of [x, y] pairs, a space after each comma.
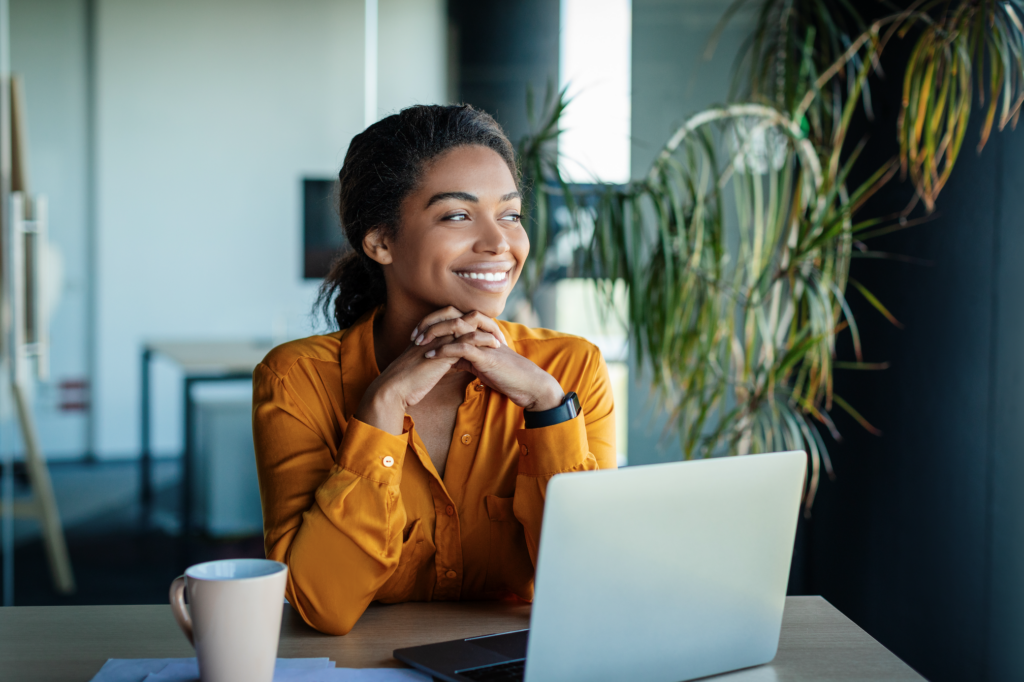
{"points": [[63, 643], [200, 362]]}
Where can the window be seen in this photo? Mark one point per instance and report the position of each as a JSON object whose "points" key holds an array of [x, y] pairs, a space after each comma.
{"points": [[595, 63]]}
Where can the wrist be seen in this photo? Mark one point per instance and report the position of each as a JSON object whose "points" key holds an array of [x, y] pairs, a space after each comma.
{"points": [[383, 409], [387, 399], [549, 400]]}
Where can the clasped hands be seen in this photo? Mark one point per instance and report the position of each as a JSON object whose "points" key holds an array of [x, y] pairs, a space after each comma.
{"points": [[449, 340]]}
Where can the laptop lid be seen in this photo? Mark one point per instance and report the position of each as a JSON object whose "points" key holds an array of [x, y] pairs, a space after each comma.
{"points": [[664, 572]]}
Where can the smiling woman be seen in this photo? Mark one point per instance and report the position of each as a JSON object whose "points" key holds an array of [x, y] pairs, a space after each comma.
{"points": [[406, 456]]}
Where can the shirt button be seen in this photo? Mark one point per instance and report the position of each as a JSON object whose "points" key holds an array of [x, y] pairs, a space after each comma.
{"points": [[526, 450], [478, 387], [449, 510], [466, 439], [450, 574], [389, 461]]}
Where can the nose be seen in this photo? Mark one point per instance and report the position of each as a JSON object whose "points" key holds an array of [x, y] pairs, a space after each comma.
{"points": [[492, 238]]}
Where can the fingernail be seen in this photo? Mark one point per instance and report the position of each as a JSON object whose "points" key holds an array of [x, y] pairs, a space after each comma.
{"points": [[419, 339], [414, 330], [430, 354]]}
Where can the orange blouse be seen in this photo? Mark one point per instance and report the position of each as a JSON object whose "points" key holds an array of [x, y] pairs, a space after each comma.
{"points": [[359, 514]]}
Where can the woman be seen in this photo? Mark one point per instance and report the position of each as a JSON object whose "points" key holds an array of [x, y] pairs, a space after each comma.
{"points": [[406, 456]]}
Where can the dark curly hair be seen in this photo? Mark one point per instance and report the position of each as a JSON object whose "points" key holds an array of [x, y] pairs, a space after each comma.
{"points": [[384, 164]]}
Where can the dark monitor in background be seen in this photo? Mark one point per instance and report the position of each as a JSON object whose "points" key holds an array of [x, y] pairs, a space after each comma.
{"points": [[322, 236]]}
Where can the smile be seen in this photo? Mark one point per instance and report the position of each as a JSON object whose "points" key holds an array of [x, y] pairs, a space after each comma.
{"points": [[485, 276]]}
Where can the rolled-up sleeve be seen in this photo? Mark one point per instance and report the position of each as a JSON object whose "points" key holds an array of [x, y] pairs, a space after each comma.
{"points": [[331, 512]]}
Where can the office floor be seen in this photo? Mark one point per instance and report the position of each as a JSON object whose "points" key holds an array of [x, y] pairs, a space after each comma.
{"points": [[115, 559]]}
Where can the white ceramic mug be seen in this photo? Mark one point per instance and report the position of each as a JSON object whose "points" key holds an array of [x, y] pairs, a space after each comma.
{"points": [[235, 619]]}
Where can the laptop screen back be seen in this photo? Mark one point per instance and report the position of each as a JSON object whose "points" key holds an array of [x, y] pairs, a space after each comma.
{"points": [[664, 572]]}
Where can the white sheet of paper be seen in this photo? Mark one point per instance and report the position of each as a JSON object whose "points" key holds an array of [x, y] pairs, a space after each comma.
{"points": [[189, 672], [132, 669], [139, 669], [354, 675]]}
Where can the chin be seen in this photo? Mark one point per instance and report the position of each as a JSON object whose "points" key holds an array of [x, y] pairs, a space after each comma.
{"points": [[484, 304], [489, 308]]}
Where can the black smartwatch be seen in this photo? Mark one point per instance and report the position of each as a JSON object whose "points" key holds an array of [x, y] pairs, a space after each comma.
{"points": [[569, 408]]}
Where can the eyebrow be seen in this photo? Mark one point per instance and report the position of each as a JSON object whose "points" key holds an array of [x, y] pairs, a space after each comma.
{"points": [[466, 196]]}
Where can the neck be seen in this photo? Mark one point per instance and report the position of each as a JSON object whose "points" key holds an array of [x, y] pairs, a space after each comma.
{"points": [[391, 331]]}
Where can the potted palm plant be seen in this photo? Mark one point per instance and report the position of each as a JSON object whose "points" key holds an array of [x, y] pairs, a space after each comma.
{"points": [[736, 245]]}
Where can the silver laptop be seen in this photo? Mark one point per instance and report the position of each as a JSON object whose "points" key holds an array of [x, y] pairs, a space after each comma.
{"points": [[661, 573]]}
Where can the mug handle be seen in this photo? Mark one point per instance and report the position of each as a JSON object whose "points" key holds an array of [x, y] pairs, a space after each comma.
{"points": [[178, 608]]}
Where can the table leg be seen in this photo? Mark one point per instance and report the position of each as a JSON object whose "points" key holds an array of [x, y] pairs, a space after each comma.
{"points": [[7, 522], [146, 460], [188, 459]]}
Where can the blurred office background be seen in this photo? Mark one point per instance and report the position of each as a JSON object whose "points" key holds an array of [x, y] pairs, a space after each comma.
{"points": [[187, 148]]}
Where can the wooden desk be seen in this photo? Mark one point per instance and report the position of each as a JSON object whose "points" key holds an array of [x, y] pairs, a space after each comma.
{"points": [[71, 642]]}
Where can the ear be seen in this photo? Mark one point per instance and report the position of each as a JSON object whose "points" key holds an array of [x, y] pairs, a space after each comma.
{"points": [[376, 247]]}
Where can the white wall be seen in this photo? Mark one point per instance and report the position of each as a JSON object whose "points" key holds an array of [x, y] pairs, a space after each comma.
{"points": [[209, 114], [412, 54], [48, 50]]}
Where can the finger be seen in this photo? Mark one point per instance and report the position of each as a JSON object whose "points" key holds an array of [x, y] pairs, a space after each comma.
{"points": [[478, 338], [461, 365], [413, 347], [457, 327], [488, 324], [461, 326], [449, 313], [413, 350], [459, 349]]}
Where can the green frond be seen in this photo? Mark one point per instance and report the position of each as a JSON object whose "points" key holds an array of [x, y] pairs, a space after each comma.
{"points": [[735, 248]]}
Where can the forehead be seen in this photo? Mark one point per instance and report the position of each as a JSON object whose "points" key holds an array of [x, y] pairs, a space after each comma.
{"points": [[473, 169]]}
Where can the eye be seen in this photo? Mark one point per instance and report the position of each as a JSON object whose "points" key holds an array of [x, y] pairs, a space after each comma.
{"points": [[457, 217], [512, 217]]}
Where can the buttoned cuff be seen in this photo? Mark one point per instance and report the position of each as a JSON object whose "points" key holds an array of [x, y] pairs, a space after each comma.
{"points": [[549, 450], [373, 453]]}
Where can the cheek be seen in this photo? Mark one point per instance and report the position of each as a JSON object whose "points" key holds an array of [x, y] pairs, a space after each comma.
{"points": [[423, 263], [419, 255]]}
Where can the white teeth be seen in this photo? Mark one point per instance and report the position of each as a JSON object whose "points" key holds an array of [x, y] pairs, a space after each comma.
{"points": [[486, 276]]}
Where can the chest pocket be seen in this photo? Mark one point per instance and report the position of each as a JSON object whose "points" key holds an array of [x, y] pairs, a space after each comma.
{"points": [[509, 568], [405, 583]]}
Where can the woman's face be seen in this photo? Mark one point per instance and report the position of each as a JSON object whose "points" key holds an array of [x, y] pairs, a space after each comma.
{"points": [[460, 242]]}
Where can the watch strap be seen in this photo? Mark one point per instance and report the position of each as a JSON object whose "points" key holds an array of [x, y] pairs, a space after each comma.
{"points": [[569, 408]]}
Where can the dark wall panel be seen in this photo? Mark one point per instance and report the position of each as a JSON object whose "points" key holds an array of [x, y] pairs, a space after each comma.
{"points": [[501, 48], [1006, 502], [904, 540]]}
